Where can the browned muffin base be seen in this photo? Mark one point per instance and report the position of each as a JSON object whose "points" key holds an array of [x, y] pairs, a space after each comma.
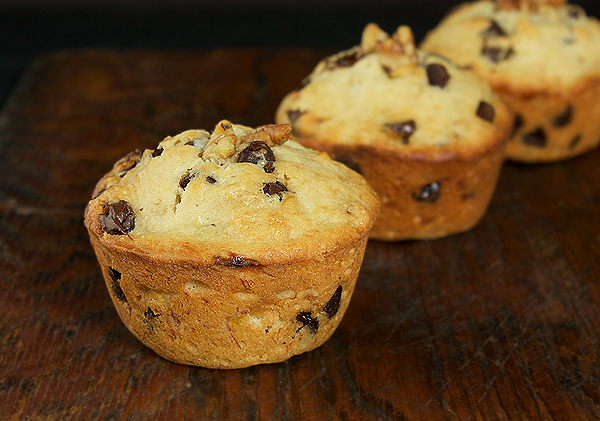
{"points": [[233, 313], [553, 127], [422, 197]]}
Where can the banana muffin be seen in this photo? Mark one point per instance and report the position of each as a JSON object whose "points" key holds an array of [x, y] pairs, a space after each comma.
{"points": [[428, 136], [543, 58], [231, 248]]}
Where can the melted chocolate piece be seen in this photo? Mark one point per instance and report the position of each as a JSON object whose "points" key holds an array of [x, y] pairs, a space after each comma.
{"points": [[437, 75], [306, 319], [211, 179], [405, 129], [157, 152], [497, 54], [131, 160], [517, 124], [333, 305], [429, 193], [494, 30], [185, 180], [575, 141], [573, 13], [256, 152], [563, 118], [115, 277], [151, 315], [486, 111], [235, 261], [347, 60], [275, 188], [535, 138], [294, 115], [117, 218]]}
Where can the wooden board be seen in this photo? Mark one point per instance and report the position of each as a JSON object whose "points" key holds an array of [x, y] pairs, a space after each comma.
{"points": [[501, 322]]}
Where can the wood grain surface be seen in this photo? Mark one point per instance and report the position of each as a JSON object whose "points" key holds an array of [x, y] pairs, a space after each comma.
{"points": [[501, 322]]}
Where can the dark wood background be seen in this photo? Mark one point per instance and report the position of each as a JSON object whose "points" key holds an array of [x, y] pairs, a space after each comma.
{"points": [[501, 322]]}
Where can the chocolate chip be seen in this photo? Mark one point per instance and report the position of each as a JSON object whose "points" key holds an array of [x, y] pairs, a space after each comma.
{"points": [[405, 129], [348, 162], [259, 153], [190, 143], [235, 261], [115, 277], [494, 30], [517, 124], [294, 115], [535, 138], [117, 218], [347, 60], [486, 111], [130, 161], [211, 179], [497, 54], [275, 188], [185, 179], [157, 152], [563, 118], [151, 315], [437, 75], [306, 319], [575, 141], [573, 13], [429, 193], [333, 305]]}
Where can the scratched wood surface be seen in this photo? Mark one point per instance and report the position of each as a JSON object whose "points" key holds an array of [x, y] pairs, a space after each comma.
{"points": [[498, 323]]}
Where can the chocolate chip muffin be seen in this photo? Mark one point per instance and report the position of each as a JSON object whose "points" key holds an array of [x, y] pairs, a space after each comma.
{"points": [[543, 58], [429, 137], [230, 249]]}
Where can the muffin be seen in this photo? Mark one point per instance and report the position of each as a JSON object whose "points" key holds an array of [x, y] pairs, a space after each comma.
{"points": [[543, 58], [230, 249], [428, 136]]}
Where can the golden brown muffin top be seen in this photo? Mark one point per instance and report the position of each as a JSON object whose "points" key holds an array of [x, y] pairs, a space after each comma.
{"points": [[530, 46], [387, 94], [235, 192]]}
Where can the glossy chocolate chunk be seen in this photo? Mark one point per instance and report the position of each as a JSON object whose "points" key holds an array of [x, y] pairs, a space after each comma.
{"points": [[130, 161], [306, 319], [275, 188], [157, 152], [563, 118], [486, 111], [259, 153], [117, 218], [494, 30], [535, 138], [294, 115], [115, 277], [333, 305], [185, 180], [517, 124], [575, 141], [347, 60], [429, 193], [497, 54], [437, 75], [405, 129], [211, 179]]}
